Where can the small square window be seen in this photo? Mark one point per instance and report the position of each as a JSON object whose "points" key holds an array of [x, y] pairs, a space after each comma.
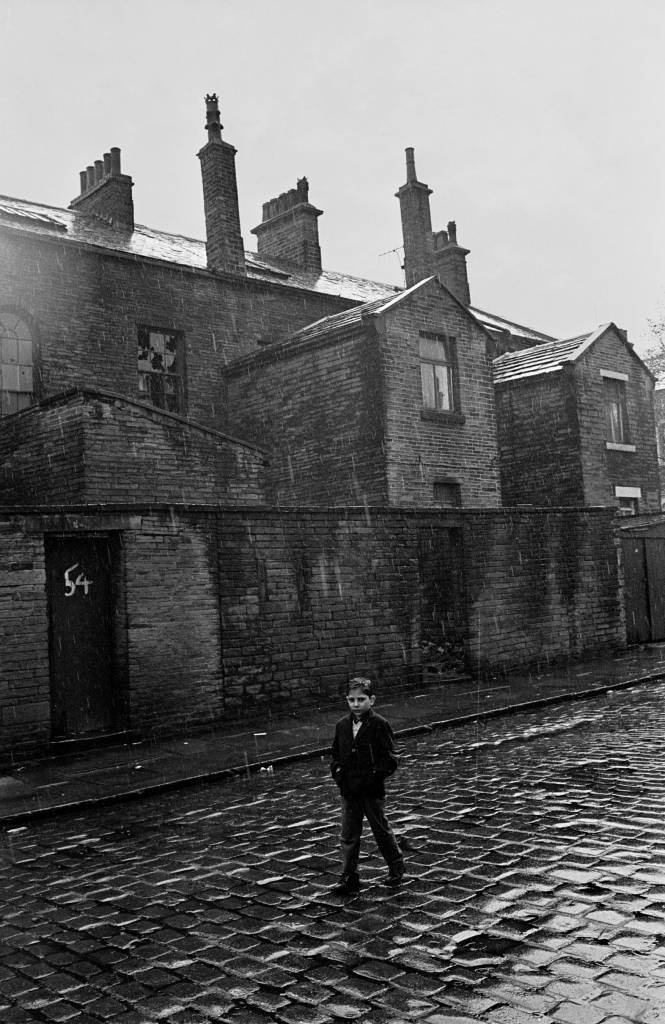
{"points": [[447, 493], [629, 506]]}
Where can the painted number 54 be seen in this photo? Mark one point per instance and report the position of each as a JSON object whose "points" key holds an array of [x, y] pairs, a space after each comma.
{"points": [[80, 581]]}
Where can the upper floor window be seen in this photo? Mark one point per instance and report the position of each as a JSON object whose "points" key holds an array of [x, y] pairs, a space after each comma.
{"points": [[161, 368], [616, 409], [16, 364], [438, 372]]}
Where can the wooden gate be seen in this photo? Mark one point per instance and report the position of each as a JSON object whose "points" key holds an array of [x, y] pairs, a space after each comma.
{"points": [[644, 578], [80, 573], [442, 601]]}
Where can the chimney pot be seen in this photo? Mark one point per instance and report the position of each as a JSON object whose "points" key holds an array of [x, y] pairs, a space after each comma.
{"points": [[106, 193], [213, 124], [452, 231], [410, 165], [295, 238]]}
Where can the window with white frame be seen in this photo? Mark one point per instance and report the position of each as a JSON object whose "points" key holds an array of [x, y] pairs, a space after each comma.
{"points": [[16, 363], [616, 409], [161, 368], [438, 372]]}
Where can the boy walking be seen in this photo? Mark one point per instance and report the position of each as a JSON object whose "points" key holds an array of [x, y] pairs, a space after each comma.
{"points": [[363, 756]]}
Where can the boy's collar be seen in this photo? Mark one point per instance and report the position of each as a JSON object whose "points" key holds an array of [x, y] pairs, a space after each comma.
{"points": [[361, 718]]}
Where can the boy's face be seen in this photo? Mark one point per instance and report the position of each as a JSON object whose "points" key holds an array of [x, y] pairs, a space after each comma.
{"points": [[359, 702]]}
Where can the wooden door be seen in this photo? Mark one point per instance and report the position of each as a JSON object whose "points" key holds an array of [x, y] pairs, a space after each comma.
{"points": [[81, 607]]}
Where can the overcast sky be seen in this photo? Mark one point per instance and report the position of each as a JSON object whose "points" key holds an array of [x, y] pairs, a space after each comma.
{"points": [[539, 125]]}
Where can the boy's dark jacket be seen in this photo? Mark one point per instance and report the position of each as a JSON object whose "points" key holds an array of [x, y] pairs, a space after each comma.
{"points": [[360, 766]]}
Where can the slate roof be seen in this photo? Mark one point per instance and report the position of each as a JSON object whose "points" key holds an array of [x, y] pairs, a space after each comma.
{"points": [[35, 218], [72, 226], [337, 322], [498, 323], [548, 357]]}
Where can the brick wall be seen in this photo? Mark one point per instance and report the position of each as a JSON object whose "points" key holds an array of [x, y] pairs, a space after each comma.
{"points": [[553, 434], [24, 659], [318, 409], [228, 614], [343, 413], [540, 586], [659, 414], [86, 306], [421, 446], [603, 468], [94, 447], [539, 440]]}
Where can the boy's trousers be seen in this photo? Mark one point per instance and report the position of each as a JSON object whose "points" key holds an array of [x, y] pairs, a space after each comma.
{"points": [[354, 809]]}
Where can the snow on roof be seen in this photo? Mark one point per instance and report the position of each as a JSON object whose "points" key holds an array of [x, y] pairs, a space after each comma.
{"points": [[69, 225], [546, 358], [498, 323]]}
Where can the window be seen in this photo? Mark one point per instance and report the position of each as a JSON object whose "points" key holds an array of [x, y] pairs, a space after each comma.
{"points": [[437, 372], [160, 363], [447, 493], [628, 500], [16, 364], [616, 411], [628, 506]]}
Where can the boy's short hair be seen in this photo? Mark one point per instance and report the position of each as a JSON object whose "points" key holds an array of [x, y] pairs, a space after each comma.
{"points": [[361, 683]]}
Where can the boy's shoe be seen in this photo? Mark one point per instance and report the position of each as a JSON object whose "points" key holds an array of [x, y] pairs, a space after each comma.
{"points": [[348, 885], [395, 874]]}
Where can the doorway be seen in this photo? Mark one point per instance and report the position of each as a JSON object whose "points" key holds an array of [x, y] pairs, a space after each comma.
{"points": [[81, 577]]}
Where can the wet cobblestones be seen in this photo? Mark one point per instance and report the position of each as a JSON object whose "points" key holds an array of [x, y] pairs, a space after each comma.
{"points": [[535, 891]]}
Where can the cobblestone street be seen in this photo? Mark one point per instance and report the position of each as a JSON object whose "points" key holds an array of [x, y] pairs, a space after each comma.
{"points": [[535, 890]]}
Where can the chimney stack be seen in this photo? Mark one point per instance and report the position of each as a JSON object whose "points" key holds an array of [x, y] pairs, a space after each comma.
{"points": [[105, 192], [416, 224], [224, 245], [427, 252], [289, 230], [450, 263]]}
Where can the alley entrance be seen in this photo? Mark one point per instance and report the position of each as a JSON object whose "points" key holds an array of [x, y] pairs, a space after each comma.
{"points": [[80, 575]]}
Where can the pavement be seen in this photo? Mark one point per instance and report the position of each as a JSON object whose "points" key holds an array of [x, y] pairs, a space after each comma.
{"points": [[97, 777]]}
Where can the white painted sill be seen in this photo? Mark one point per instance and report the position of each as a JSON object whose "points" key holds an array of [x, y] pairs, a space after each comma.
{"points": [[612, 446]]}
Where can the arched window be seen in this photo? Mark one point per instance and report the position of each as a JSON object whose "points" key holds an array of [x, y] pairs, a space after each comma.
{"points": [[16, 363]]}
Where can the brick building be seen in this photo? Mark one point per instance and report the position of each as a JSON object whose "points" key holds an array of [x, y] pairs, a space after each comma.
{"points": [[576, 424], [241, 473]]}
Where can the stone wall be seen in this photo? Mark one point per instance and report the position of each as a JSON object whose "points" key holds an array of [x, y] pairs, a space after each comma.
{"points": [[96, 447], [317, 408], [85, 307], [553, 443], [604, 467], [422, 445], [342, 410], [231, 614], [539, 440]]}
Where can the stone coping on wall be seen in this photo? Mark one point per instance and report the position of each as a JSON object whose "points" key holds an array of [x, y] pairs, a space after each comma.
{"points": [[150, 411], [409, 511]]}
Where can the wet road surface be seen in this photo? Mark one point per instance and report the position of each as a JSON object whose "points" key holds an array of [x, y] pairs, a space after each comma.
{"points": [[535, 890]]}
